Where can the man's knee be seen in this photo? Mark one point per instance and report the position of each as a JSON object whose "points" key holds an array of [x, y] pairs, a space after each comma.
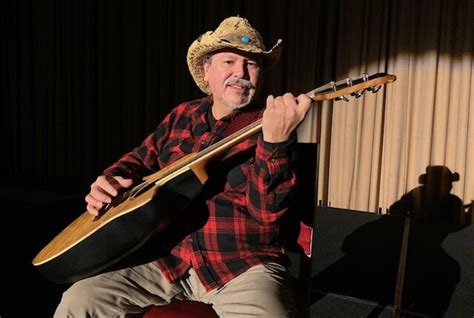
{"points": [[262, 291], [78, 298]]}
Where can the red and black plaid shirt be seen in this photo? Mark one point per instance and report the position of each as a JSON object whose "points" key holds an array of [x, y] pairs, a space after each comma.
{"points": [[241, 228]]}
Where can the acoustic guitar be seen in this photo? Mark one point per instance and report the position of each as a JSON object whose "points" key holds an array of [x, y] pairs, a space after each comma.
{"points": [[91, 244]]}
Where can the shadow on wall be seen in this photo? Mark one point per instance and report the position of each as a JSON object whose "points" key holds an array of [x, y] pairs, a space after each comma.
{"points": [[431, 274], [369, 267], [433, 201]]}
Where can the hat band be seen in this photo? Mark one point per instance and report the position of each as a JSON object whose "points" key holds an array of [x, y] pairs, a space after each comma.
{"points": [[237, 39]]}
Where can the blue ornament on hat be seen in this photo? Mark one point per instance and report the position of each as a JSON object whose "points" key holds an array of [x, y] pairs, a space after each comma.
{"points": [[245, 39]]}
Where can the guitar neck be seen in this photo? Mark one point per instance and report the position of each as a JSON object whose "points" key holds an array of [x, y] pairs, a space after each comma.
{"points": [[231, 140], [350, 85]]}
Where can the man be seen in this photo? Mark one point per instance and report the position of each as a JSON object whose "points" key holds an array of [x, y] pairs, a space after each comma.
{"points": [[231, 258]]}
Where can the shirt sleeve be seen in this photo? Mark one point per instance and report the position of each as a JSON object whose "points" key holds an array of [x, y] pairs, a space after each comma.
{"points": [[143, 160], [272, 180]]}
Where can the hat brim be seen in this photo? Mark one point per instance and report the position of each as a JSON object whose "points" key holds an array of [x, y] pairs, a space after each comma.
{"points": [[209, 43]]}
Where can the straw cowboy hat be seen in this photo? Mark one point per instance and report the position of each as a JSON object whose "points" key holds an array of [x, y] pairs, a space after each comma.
{"points": [[233, 32]]}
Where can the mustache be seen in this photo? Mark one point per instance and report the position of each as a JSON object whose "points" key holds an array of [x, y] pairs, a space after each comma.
{"points": [[239, 81]]}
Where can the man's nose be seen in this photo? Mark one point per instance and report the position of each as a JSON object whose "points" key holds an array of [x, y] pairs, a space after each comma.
{"points": [[240, 70]]}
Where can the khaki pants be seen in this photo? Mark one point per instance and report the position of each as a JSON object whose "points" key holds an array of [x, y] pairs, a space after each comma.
{"points": [[262, 291]]}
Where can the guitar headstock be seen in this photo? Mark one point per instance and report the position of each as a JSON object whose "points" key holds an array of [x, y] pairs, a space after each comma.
{"points": [[354, 86]]}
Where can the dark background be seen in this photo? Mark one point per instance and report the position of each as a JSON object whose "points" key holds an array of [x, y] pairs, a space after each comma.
{"points": [[82, 82]]}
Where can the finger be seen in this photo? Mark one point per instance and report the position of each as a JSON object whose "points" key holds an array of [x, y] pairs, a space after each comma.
{"points": [[92, 210], [270, 101], [289, 99], [90, 199], [304, 100], [291, 105], [124, 183], [98, 194], [304, 104], [279, 102], [104, 183]]}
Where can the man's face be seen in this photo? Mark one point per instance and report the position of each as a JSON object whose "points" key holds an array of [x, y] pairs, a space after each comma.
{"points": [[233, 77]]}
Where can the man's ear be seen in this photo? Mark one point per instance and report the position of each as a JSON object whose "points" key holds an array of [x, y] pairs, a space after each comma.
{"points": [[206, 66]]}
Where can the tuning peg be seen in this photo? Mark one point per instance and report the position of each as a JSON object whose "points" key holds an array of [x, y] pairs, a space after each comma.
{"points": [[344, 98], [374, 89], [358, 94]]}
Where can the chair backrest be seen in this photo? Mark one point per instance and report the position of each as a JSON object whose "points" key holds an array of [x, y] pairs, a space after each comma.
{"points": [[298, 233]]}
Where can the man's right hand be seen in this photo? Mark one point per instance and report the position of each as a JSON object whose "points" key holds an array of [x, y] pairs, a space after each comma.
{"points": [[103, 190]]}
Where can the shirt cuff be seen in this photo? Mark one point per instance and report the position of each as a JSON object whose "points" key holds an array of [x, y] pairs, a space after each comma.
{"points": [[276, 157], [275, 150]]}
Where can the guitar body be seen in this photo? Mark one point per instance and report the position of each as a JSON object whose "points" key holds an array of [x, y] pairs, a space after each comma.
{"points": [[91, 244]]}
